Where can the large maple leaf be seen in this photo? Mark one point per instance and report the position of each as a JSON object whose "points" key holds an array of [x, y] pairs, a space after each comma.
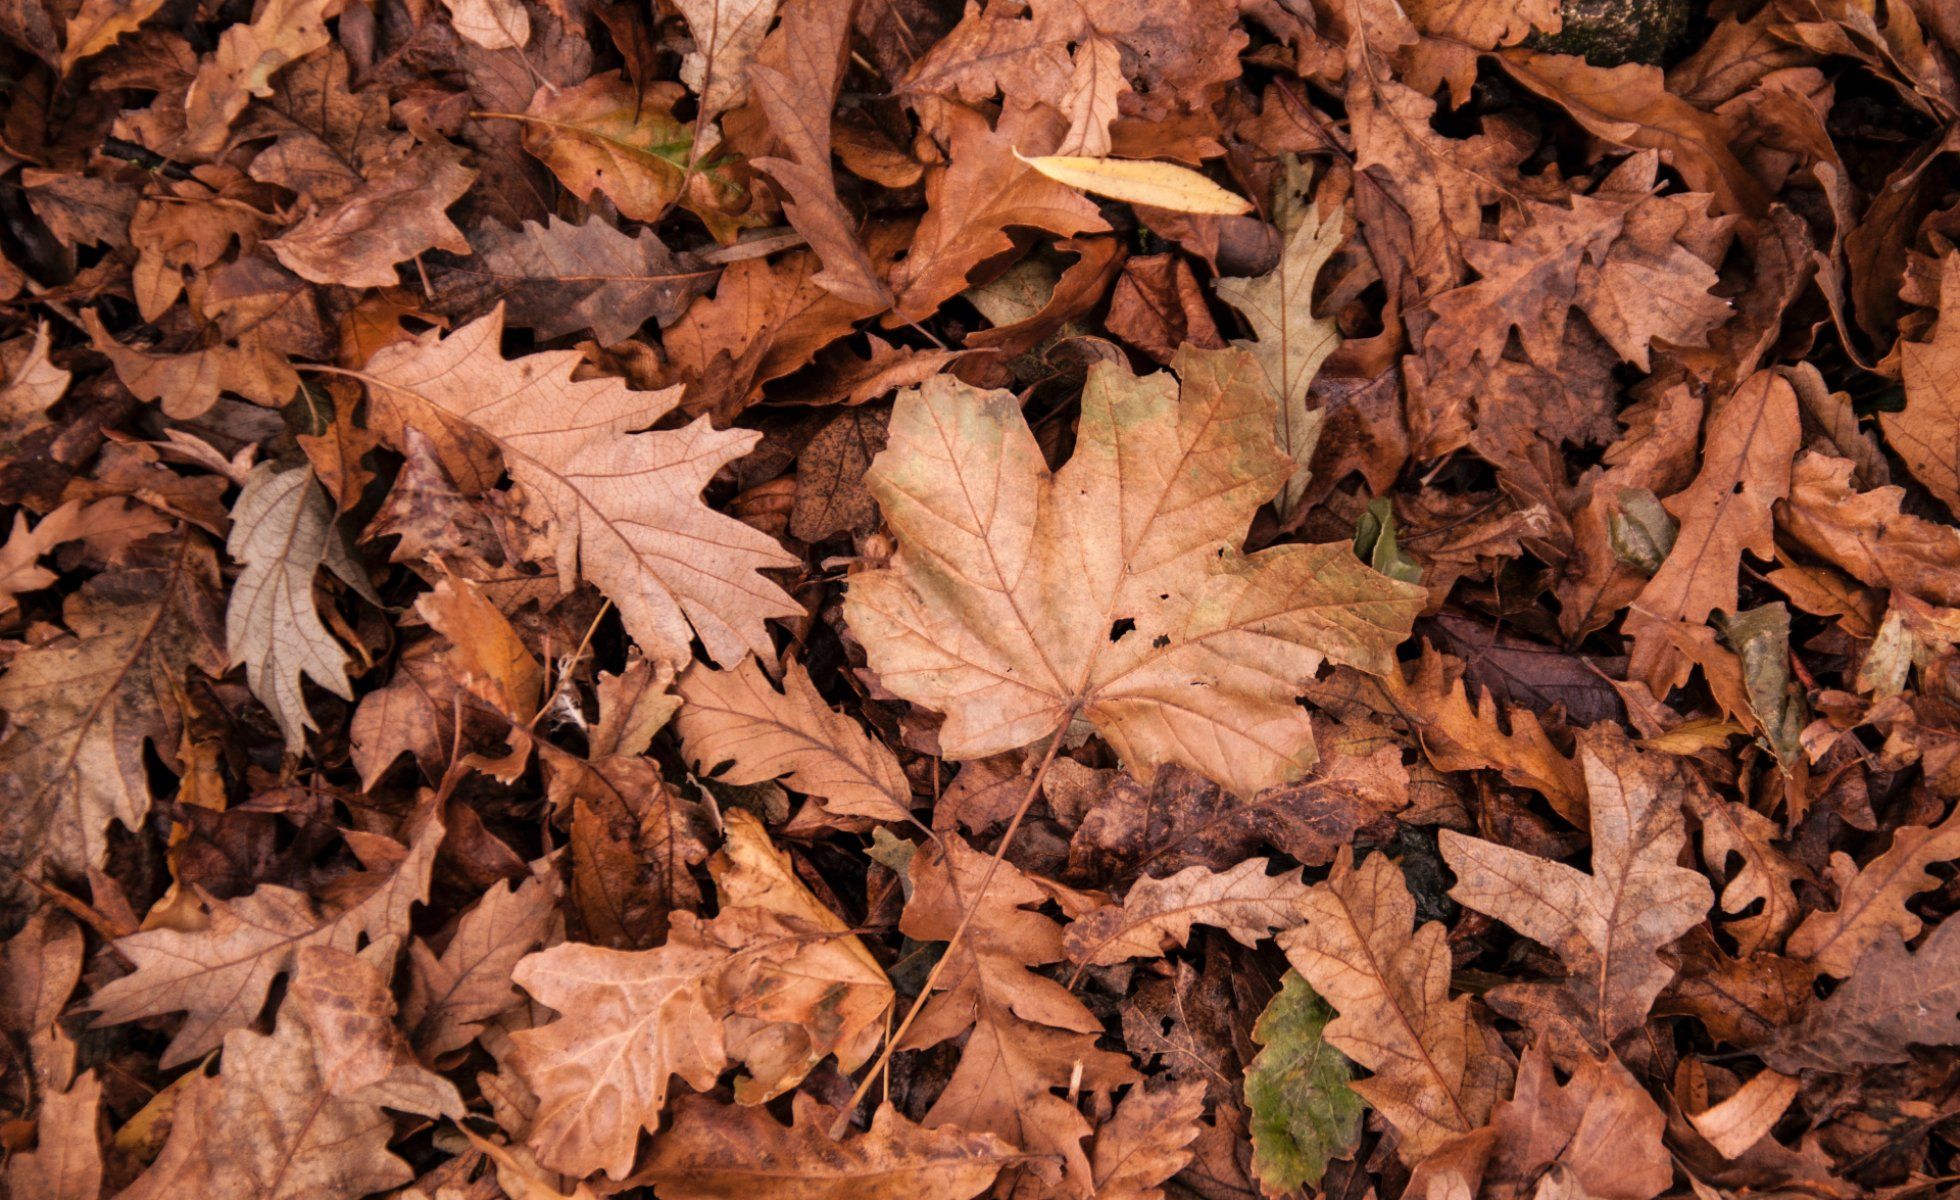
{"points": [[624, 506], [1114, 588]]}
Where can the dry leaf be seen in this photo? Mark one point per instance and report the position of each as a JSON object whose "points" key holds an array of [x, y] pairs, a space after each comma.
{"points": [[1157, 914], [1873, 899]]}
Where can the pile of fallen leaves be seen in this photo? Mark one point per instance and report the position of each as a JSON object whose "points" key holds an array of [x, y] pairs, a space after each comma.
{"points": [[853, 599]]}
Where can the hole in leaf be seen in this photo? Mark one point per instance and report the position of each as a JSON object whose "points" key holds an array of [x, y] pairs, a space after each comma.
{"points": [[1121, 627]]}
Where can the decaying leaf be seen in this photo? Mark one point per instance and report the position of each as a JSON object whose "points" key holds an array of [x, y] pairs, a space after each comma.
{"points": [[1303, 1111]]}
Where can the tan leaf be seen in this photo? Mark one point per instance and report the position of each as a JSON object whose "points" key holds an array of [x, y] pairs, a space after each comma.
{"points": [[1867, 533], [970, 203], [727, 33], [491, 24], [1599, 1130], [623, 507], [731, 1152], [489, 656], [1157, 914], [560, 278], [797, 94], [451, 994], [186, 385], [1926, 434], [1144, 1141], [394, 216], [282, 531], [1016, 602], [108, 525], [1873, 899], [1747, 450], [1610, 925], [745, 987], [218, 976], [1435, 1073], [1767, 874], [269, 1129], [98, 24], [247, 58], [82, 709], [737, 718], [1027, 1034], [345, 1001], [1290, 341], [1895, 999], [1746, 1117], [66, 1162], [1154, 184]]}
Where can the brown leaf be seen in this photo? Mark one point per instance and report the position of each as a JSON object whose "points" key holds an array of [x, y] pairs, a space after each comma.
{"points": [[1872, 899], [394, 216], [66, 1163], [1867, 533], [1600, 1130], [729, 1152], [831, 497], [1436, 1073], [247, 57], [1157, 306], [1143, 1143], [1927, 433], [451, 995], [218, 976], [1111, 629], [970, 203], [1157, 914], [1893, 1000], [1607, 926], [739, 720], [82, 708], [623, 506]]}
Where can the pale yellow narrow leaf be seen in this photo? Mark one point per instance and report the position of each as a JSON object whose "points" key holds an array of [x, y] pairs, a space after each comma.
{"points": [[1155, 184]]}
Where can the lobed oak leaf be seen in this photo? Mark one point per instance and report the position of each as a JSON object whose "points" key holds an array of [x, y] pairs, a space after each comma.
{"points": [[1016, 603], [66, 1162], [1867, 533], [1926, 433], [1436, 1073], [1767, 875], [344, 999], [218, 976], [98, 24], [82, 708], [1303, 1113], [970, 204], [1026, 1033], [1144, 1141], [623, 508], [560, 278], [730, 1152], [247, 57], [451, 994], [1893, 999], [396, 214], [1291, 342], [283, 532], [775, 982], [1872, 899], [737, 718], [1608, 926], [1157, 914]]}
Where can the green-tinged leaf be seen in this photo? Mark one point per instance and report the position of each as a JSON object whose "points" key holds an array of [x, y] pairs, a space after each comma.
{"points": [[1303, 1112], [1374, 543]]}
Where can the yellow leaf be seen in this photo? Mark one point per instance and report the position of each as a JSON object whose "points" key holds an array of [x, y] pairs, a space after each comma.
{"points": [[1158, 185]]}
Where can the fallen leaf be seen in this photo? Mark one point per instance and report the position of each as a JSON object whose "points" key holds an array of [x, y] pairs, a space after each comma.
{"points": [[1143, 1143], [491, 24], [1157, 914], [1872, 899], [1304, 1114], [1746, 1117], [1894, 1000], [1158, 185]]}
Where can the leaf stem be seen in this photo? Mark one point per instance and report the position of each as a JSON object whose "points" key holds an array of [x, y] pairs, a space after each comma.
{"points": [[972, 907]]}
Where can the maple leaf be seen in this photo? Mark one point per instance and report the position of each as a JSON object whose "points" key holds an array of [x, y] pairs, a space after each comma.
{"points": [[775, 981], [1893, 999], [1157, 914], [1027, 1034], [560, 278], [1303, 1111], [282, 530], [82, 708], [623, 507], [727, 1152], [1873, 899], [1016, 603], [970, 204], [1610, 925], [218, 975], [738, 718], [1291, 342], [1436, 1073]]}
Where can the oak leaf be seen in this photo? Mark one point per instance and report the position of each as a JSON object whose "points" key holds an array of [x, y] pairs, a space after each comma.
{"points": [[1016, 603], [1926, 434], [1157, 914], [624, 508], [559, 278], [1290, 342], [1893, 1000], [283, 532], [1303, 1113], [451, 994], [1599, 1129], [738, 718], [604, 136], [1872, 899], [396, 214], [66, 1162], [1610, 925], [1867, 533], [1436, 1071], [218, 976], [82, 708], [1144, 1141], [732, 1152], [775, 981], [99, 24], [247, 57]]}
